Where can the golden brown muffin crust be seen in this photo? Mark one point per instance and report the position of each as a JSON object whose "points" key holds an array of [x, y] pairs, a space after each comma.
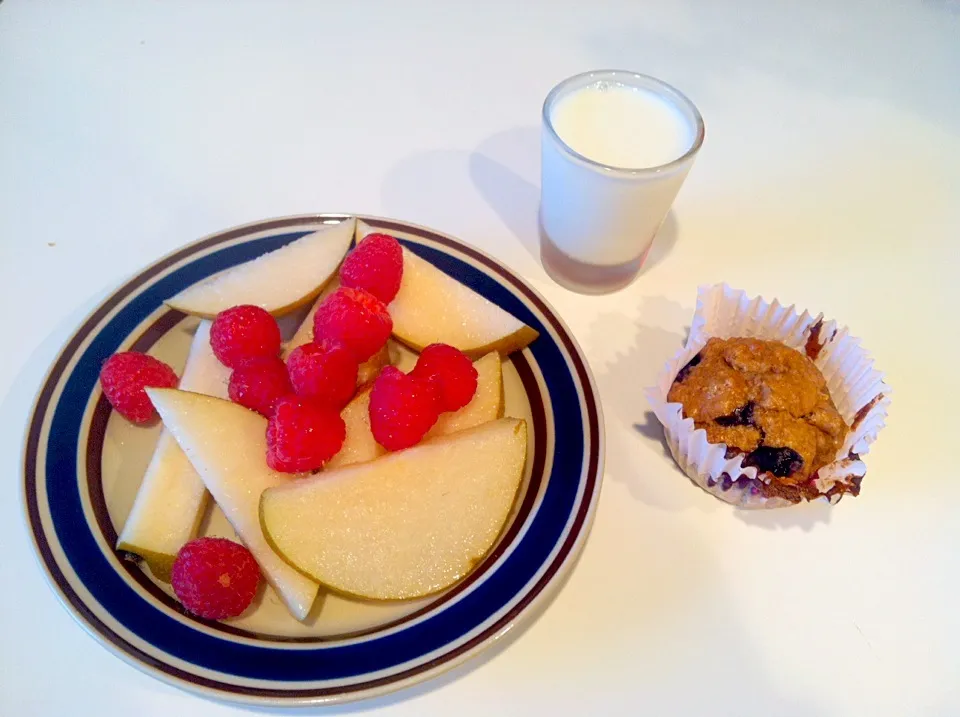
{"points": [[766, 400]]}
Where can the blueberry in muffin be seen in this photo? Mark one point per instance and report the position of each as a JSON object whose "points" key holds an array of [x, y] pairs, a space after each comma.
{"points": [[767, 401]]}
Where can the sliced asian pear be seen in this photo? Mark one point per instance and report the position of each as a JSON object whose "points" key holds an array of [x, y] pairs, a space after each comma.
{"points": [[279, 281], [171, 497], [368, 370], [226, 444], [408, 524], [486, 405], [433, 307], [359, 446]]}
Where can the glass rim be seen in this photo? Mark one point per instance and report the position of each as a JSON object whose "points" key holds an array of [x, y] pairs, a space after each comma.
{"points": [[664, 89]]}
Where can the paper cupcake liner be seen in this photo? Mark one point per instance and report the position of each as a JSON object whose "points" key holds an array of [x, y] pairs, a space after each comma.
{"points": [[857, 389]]}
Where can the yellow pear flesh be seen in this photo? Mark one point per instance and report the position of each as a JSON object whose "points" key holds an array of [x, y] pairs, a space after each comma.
{"points": [[279, 281], [226, 444], [433, 307], [486, 405], [359, 445], [408, 524], [171, 497]]}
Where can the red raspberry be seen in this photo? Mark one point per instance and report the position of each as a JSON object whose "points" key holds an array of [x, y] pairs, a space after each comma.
{"points": [[375, 265], [302, 436], [403, 408], [450, 373], [355, 318], [243, 333], [125, 375], [323, 371], [259, 384], [215, 578]]}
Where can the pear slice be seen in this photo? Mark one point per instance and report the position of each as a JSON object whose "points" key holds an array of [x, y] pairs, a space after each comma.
{"points": [[227, 446], [486, 405], [279, 281], [406, 525], [171, 497], [359, 445], [367, 371], [432, 307]]}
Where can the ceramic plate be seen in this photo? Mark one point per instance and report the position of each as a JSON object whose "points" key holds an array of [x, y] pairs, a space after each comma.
{"points": [[83, 464]]}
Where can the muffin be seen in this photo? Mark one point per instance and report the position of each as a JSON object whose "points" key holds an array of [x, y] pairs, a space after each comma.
{"points": [[768, 402], [765, 406]]}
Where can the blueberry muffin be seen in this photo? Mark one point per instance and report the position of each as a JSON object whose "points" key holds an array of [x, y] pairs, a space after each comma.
{"points": [[768, 402]]}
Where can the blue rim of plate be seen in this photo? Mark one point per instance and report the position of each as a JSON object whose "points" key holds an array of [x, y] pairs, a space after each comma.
{"points": [[114, 601]]}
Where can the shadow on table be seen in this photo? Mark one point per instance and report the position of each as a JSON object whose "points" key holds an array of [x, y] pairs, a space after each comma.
{"points": [[631, 427], [420, 186], [503, 173], [805, 516], [505, 169]]}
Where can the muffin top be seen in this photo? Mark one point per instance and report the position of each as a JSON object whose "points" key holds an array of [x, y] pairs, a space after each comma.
{"points": [[763, 399]]}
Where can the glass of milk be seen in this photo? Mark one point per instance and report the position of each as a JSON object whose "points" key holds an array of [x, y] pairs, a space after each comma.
{"points": [[615, 148]]}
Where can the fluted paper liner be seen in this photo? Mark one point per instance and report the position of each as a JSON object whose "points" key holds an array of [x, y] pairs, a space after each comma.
{"points": [[856, 387]]}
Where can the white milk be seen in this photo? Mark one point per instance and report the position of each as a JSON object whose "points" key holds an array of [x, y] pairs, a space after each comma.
{"points": [[620, 126], [639, 137]]}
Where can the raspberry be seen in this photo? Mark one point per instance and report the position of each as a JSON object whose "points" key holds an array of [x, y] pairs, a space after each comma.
{"points": [[450, 373], [243, 333], [376, 265], [403, 408], [302, 436], [323, 371], [125, 375], [259, 384], [215, 578], [356, 319]]}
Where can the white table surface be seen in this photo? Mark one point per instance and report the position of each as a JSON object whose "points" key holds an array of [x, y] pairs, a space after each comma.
{"points": [[830, 177]]}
